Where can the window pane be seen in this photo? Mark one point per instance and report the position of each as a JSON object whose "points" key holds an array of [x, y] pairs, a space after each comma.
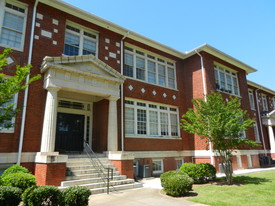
{"points": [[129, 121], [141, 121], [72, 39], [140, 64], [164, 123], [71, 50], [161, 75], [7, 125], [174, 124], [171, 78], [222, 81], [128, 67], [235, 86], [89, 47], [12, 30], [13, 22], [228, 83], [151, 72], [11, 38], [153, 115]]}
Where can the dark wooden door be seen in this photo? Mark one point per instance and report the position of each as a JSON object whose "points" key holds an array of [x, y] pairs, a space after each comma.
{"points": [[69, 132]]}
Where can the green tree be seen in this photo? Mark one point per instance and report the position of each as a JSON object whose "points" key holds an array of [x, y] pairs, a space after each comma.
{"points": [[9, 86], [222, 123]]}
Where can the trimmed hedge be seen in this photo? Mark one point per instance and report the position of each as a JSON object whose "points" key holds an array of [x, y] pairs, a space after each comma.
{"points": [[200, 173], [15, 169], [76, 196], [10, 196], [42, 195], [176, 183], [20, 180]]}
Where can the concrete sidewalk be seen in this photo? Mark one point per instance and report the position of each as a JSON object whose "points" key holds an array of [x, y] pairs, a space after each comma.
{"points": [[151, 194]]}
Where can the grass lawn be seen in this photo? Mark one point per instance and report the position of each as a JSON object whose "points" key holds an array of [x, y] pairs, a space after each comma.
{"points": [[250, 189]]}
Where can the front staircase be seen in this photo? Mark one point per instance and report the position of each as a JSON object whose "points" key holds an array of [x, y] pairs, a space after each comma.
{"points": [[82, 171]]}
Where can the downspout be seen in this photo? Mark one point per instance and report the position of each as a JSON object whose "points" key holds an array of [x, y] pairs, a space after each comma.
{"points": [[21, 138], [122, 93], [204, 95], [260, 120]]}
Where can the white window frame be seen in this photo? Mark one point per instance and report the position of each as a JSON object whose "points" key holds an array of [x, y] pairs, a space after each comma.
{"points": [[11, 129], [264, 103], [4, 9], [178, 164], [161, 166], [251, 99], [135, 104], [229, 77], [256, 132], [168, 64], [81, 36]]}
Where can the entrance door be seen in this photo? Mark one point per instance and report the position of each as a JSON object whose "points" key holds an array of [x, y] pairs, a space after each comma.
{"points": [[69, 132]]}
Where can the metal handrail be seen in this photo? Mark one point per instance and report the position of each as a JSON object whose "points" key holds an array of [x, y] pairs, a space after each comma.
{"points": [[99, 166]]}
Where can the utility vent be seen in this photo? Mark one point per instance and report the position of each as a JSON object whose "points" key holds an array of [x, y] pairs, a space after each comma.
{"points": [[71, 105]]}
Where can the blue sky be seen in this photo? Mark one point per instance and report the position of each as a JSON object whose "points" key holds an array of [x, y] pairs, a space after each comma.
{"points": [[244, 30]]}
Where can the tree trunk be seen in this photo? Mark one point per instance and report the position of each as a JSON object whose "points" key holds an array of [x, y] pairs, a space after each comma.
{"points": [[226, 162]]}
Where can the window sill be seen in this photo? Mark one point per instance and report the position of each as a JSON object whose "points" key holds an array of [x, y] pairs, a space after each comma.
{"points": [[6, 131], [175, 89], [228, 93], [149, 137], [12, 48]]}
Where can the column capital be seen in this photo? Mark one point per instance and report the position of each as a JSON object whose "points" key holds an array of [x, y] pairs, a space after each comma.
{"points": [[113, 98], [53, 89]]}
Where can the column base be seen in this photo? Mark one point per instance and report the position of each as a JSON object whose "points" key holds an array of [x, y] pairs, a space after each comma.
{"points": [[123, 162], [50, 174], [50, 168]]}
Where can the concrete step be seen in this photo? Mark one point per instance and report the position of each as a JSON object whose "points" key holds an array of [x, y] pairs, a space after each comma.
{"points": [[87, 167], [87, 176], [116, 188], [90, 181], [86, 159], [112, 183]]}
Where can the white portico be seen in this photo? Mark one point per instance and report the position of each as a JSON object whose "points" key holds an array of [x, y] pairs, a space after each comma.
{"points": [[269, 121], [77, 79]]}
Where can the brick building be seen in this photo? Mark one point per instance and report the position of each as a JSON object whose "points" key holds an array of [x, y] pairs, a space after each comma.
{"points": [[119, 91]]}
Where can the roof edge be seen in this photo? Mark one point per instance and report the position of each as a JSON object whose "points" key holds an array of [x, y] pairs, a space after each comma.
{"points": [[215, 52], [260, 87]]}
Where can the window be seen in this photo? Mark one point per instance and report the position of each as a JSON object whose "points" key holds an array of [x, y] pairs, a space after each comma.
{"points": [[273, 102], [179, 162], [147, 119], [148, 68], [157, 166], [8, 126], [226, 80], [251, 99], [256, 132], [264, 102], [12, 28], [79, 41]]}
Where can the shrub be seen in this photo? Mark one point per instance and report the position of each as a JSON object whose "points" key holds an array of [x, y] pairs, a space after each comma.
{"points": [[200, 173], [42, 195], [15, 169], [20, 180], [176, 183], [76, 196], [10, 196]]}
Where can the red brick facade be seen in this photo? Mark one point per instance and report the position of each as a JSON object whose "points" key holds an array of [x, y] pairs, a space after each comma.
{"points": [[52, 18]]}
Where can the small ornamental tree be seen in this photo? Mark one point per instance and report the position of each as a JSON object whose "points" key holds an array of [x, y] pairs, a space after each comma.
{"points": [[222, 123], [9, 86]]}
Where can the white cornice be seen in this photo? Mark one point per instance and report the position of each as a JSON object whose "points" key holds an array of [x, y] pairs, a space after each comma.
{"points": [[258, 86], [217, 53]]}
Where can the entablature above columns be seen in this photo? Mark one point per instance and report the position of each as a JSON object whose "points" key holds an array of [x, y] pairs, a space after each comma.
{"points": [[84, 74]]}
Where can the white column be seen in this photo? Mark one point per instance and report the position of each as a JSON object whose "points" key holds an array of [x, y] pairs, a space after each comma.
{"points": [[49, 124], [271, 138], [112, 125]]}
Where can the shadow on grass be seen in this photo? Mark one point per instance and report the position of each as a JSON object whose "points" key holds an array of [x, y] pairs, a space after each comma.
{"points": [[241, 180]]}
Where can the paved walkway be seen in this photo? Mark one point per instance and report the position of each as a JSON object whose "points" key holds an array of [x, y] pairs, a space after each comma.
{"points": [[150, 195]]}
